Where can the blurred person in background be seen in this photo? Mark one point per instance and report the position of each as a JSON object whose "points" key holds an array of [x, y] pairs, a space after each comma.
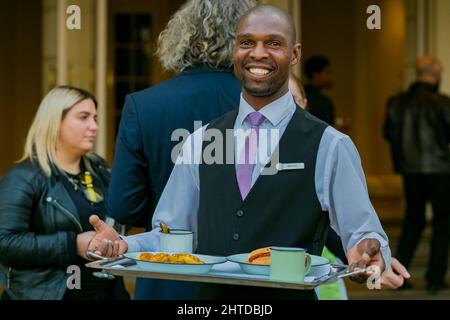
{"points": [[417, 126], [318, 72], [46, 200], [298, 91]]}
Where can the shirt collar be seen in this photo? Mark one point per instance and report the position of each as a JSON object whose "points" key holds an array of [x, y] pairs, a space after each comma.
{"points": [[274, 111]]}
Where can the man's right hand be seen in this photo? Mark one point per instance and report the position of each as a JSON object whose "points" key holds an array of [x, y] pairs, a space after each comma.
{"points": [[106, 242]]}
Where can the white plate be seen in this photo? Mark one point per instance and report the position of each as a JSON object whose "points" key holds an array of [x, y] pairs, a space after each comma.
{"points": [[210, 261], [320, 266]]}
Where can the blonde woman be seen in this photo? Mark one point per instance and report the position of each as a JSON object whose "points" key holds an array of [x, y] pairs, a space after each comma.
{"points": [[46, 200]]}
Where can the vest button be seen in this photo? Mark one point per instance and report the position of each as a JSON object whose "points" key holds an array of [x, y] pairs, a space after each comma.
{"points": [[236, 236], [239, 213]]}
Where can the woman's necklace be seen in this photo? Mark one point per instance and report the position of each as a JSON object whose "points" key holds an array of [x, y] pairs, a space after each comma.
{"points": [[85, 183], [73, 179]]}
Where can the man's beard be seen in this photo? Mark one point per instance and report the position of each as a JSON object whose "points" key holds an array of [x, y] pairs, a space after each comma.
{"points": [[260, 91]]}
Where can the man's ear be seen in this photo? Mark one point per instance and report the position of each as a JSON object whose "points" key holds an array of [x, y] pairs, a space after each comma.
{"points": [[297, 53]]}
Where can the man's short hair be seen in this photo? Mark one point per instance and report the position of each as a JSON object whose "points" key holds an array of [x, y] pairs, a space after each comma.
{"points": [[274, 10], [315, 64], [425, 65]]}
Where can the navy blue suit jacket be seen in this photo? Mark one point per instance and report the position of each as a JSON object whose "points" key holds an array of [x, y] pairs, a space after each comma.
{"points": [[142, 162]]}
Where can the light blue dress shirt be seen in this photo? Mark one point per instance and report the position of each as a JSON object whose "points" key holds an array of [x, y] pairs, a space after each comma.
{"points": [[339, 179]]}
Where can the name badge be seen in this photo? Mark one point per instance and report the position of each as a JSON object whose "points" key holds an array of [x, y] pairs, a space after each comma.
{"points": [[290, 166]]}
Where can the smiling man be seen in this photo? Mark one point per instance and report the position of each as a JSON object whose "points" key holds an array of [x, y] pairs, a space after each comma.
{"points": [[264, 51], [235, 208]]}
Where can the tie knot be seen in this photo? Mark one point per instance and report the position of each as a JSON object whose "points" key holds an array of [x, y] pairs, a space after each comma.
{"points": [[256, 119]]}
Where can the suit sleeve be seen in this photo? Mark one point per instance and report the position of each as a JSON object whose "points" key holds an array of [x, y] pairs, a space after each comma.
{"points": [[129, 190], [182, 213]]}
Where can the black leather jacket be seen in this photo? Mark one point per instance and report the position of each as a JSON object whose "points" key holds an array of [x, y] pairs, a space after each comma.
{"points": [[39, 224], [418, 128]]}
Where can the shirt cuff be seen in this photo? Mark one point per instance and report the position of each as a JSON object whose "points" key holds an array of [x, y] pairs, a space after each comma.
{"points": [[384, 248], [148, 241], [387, 257]]}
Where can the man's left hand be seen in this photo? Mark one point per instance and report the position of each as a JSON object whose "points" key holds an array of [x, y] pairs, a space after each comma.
{"points": [[394, 276], [365, 254]]}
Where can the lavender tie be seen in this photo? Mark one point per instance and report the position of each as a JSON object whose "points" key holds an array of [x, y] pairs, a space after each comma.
{"points": [[247, 160]]}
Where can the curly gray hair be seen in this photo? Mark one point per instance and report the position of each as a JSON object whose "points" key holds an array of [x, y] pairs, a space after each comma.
{"points": [[201, 33]]}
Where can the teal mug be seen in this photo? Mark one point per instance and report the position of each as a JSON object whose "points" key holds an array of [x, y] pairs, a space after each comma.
{"points": [[289, 264]]}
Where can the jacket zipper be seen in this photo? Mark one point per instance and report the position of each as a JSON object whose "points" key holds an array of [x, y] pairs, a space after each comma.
{"points": [[66, 212], [8, 279]]}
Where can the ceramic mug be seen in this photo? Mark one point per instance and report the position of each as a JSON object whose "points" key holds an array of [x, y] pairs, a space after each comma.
{"points": [[178, 241], [288, 264]]}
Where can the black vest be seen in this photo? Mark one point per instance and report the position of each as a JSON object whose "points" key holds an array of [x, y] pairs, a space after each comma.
{"points": [[280, 210]]}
